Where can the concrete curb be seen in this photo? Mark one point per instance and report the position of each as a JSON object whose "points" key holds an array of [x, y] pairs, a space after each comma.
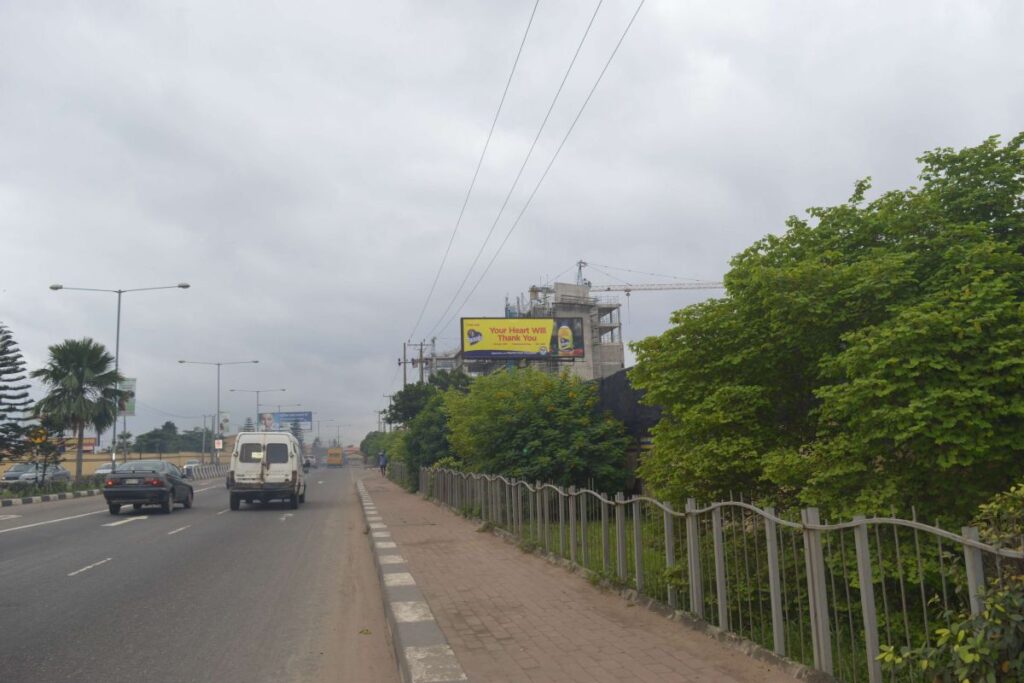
{"points": [[421, 648], [50, 497], [70, 495]]}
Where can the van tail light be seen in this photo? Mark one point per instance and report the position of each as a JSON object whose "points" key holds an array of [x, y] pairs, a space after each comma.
{"points": [[111, 482], [155, 482]]}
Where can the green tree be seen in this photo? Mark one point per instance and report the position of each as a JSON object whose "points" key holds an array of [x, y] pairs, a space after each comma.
{"points": [[426, 439], [407, 403], [538, 426], [445, 380], [296, 430], [249, 426], [80, 380], [15, 404], [164, 439], [869, 357]]}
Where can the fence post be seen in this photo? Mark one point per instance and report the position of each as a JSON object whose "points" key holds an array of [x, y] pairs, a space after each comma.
{"points": [[670, 553], [620, 535], [721, 588], [867, 598], [693, 558], [638, 548], [572, 524], [561, 524], [771, 538], [517, 503], [584, 546], [605, 541], [975, 571], [546, 518], [817, 594], [539, 512]]}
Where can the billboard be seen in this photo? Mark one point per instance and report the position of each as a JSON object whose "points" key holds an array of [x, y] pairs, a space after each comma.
{"points": [[88, 444], [270, 422], [126, 406], [529, 338]]}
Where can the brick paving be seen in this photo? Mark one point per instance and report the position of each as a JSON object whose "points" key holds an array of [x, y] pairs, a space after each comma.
{"points": [[511, 616]]}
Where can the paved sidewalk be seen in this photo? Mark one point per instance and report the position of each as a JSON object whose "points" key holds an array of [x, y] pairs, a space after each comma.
{"points": [[510, 616]]}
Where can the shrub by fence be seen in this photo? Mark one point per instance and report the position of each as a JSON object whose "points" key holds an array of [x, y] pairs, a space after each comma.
{"points": [[826, 595]]}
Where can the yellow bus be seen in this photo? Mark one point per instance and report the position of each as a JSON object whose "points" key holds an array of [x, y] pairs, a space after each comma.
{"points": [[334, 457]]}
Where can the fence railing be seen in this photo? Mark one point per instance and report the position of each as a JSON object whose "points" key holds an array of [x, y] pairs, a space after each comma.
{"points": [[826, 595]]}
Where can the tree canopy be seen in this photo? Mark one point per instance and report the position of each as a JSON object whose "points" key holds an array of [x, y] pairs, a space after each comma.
{"points": [[871, 356], [81, 383], [538, 426], [15, 404]]}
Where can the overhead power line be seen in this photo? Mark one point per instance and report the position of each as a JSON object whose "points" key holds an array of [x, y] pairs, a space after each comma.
{"points": [[551, 163], [640, 272], [476, 173], [522, 167]]}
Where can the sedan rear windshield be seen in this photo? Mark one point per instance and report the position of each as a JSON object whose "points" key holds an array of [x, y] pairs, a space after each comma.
{"points": [[141, 466]]}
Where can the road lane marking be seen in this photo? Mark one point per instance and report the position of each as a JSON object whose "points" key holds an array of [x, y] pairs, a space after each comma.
{"points": [[94, 564], [206, 489], [286, 516], [171, 533], [223, 511], [52, 521], [4, 518], [126, 521]]}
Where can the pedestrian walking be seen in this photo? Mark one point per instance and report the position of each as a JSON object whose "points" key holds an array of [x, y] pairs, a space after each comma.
{"points": [[382, 462]]}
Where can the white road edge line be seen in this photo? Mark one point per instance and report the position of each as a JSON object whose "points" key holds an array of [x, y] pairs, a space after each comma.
{"points": [[52, 521], [94, 564], [171, 533]]}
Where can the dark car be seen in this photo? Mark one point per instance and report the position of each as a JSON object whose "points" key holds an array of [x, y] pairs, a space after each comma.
{"points": [[146, 482], [27, 473]]}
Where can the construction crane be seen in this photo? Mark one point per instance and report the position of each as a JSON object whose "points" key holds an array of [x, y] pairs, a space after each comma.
{"points": [[629, 287]]}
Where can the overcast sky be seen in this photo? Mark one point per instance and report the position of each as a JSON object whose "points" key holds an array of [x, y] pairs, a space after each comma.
{"points": [[302, 164]]}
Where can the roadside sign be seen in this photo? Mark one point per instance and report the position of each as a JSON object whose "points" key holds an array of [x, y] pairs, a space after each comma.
{"points": [[38, 435], [218, 444]]}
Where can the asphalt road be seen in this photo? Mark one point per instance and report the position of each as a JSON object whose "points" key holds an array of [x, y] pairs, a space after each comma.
{"points": [[262, 594]]}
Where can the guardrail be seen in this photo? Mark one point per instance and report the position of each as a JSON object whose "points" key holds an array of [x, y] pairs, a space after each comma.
{"points": [[209, 471], [818, 593]]}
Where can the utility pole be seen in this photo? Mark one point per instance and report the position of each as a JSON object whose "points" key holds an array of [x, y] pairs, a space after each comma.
{"points": [[422, 344], [405, 362]]}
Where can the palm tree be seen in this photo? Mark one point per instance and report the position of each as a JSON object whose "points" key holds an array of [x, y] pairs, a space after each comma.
{"points": [[82, 383]]}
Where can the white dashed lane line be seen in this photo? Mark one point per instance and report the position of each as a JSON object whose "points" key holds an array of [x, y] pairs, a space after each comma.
{"points": [[52, 521], [223, 511], [171, 533], [126, 521], [87, 568]]}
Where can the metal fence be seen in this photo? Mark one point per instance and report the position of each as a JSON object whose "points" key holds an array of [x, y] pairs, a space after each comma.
{"points": [[826, 595]]}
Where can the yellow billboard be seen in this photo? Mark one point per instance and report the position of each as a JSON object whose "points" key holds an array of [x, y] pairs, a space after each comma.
{"points": [[529, 338]]}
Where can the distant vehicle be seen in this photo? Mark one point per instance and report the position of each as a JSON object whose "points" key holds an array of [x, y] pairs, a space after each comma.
{"points": [[193, 461], [189, 470], [266, 466], [335, 457], [32, 473], [146, 482]]}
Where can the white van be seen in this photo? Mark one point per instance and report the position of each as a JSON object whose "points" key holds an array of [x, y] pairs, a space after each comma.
{"points": [[266, 466]]}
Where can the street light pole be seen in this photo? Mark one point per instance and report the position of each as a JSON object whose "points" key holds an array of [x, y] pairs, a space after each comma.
{"points": [[216, 429], [257, 392], [117, 350]]}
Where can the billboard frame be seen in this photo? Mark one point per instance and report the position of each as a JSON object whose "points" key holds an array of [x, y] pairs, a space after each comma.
{"points": [[579, 343]]}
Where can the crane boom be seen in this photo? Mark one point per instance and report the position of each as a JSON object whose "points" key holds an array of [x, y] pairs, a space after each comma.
{"points": [[656, 287]]}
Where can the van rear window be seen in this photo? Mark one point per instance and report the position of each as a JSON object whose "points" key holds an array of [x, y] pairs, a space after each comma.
{"points": [[251, 452], [277, 453]]}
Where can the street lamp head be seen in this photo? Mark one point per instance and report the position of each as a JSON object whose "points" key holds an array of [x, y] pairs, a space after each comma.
{"points": [[184, 285], [182, 361], [56, 287]]}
